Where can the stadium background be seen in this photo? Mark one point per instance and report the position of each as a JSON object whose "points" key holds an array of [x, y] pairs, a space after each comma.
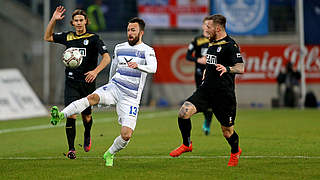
{"points": [[265, 49], [277, 143]]}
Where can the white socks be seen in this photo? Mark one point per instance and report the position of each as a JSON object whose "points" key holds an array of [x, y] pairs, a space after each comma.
{"points": [[118, 144], [76, 107]]}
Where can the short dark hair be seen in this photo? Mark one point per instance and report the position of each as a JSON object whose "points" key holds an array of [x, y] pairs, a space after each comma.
{"points": [[80, 12], [218, 19], [205, 19], [139, 21]]}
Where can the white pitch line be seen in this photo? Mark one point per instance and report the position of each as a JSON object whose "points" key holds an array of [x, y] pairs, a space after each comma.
{"points": [[163, 157], [47, 126], [99, 120]]}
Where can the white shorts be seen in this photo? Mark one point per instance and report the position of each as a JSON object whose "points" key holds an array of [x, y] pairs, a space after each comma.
{"points": [[127, 111]]}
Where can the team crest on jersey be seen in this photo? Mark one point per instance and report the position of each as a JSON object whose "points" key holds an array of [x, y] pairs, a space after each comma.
{"points": [[86, 42], [211, 59], [219, 49]]}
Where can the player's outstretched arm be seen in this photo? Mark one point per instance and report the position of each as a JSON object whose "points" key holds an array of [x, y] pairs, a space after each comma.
{"points": [[57, 15]]}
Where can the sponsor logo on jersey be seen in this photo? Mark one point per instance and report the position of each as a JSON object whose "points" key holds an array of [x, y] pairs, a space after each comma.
{"points": [[86, 42], [127, 60], [211, 59], [83, 51]]}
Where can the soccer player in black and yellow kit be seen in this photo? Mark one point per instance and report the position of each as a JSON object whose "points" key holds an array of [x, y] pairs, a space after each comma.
{"points": [[217, 91], [79, 82], [196, 53]]}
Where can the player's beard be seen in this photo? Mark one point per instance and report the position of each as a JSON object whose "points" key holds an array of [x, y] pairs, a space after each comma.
{"points": [[212, 37], [133, 41]]}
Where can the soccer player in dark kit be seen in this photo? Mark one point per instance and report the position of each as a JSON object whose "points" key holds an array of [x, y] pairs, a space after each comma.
{"points": [[79, 82], [217, 91], [196, 53]]}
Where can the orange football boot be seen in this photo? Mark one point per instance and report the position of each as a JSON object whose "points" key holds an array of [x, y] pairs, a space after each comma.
{"points": [[234, 158], [181, 149]]}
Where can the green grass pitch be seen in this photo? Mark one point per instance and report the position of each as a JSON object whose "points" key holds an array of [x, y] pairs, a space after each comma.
{"points": [[276, 144]]}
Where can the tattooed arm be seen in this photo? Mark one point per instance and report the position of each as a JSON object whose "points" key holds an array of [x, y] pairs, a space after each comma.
{"points": [[238, 68]]}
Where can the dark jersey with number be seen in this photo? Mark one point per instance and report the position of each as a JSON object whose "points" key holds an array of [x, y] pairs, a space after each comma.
{"points": [[226, 52], [199, 46], [89, 45]]}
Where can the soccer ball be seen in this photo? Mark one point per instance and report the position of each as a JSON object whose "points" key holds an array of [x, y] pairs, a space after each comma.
{"points": [[72, 58]]}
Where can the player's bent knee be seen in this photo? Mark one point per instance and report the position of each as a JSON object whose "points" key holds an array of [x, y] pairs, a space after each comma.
{"points": [[126, 133], [183, 114], [74, 116], [93, 99], [126, 136], [187, 110], [227, 133]]}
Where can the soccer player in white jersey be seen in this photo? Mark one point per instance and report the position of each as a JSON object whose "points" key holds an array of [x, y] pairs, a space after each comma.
{"points": [[132, 61]]}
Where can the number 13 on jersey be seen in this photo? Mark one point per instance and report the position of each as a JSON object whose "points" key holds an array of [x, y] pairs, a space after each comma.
{"points": [[133, 111]]}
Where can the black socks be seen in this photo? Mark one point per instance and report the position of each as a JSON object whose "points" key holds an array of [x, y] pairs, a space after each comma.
{"points": [[71, 132], [208, 116], [87, 127], [233, 140], [185, 128]]}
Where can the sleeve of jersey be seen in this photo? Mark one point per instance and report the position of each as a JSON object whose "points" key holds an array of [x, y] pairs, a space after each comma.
{"points": [[190, 51], [101, 47], [60, 37], [151, 62], [113, 66], [235, 54]]}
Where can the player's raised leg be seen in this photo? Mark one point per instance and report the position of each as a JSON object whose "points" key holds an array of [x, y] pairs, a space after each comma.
{"points": [[186, 111], [75, 107]]}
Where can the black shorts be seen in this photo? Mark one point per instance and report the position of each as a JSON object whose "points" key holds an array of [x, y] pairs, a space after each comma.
{"points": [[198, 79], [75, 90], [223, 105]]}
